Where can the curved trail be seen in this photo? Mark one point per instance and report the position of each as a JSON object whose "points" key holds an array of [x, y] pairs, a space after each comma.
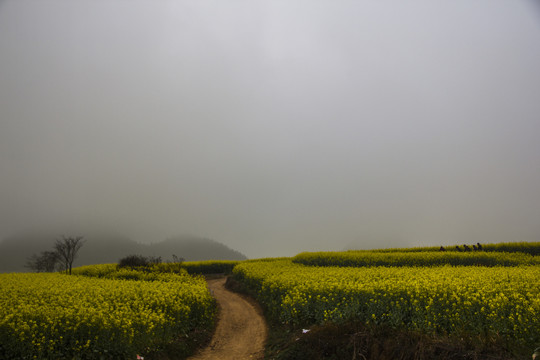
{"points": [[241, 330]]}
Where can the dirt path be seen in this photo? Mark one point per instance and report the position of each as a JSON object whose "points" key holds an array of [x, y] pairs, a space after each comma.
{"points": [[241, 330]]}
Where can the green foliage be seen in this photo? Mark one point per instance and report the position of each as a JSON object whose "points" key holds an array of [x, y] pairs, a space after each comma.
{"points": [[424, 258]]}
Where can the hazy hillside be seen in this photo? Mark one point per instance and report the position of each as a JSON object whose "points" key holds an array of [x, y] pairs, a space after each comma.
{"points": [[14, 251], [192, 249]]}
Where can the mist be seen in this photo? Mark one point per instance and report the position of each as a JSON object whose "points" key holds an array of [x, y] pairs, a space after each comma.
{"points": [[273, 127]]}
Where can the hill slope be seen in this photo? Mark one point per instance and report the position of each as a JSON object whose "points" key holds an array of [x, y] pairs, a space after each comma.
{"points": [[14, 251]]}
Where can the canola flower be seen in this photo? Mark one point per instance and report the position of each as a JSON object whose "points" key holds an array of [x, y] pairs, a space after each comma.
{"points": [[189, 267], [55, 316], [532, 248], [403, 258], [483, 301], [210, 266]]}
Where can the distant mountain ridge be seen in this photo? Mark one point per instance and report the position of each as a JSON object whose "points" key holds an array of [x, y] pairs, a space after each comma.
{"points": [[14, 251]]}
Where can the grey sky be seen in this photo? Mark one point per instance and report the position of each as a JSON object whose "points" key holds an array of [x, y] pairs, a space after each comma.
{"points": [[273, 126]]}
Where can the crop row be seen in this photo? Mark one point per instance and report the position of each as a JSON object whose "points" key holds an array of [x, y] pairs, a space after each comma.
{"points": [[431, 258], [482, 301], [532, 248], [210, 266], [150, 272], [55, 316]]}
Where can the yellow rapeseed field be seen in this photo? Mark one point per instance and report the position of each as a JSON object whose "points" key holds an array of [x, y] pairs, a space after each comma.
{"points": [[482, 301], [56, 316], [406, 258]]}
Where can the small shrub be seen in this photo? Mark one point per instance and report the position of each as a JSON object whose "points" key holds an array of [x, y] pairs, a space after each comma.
{"points": [[134, 261]]}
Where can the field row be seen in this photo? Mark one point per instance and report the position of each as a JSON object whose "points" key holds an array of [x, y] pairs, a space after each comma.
{"points": [[187, 267], [424, 258], [483, 301], [52, 316], [531, 248]]}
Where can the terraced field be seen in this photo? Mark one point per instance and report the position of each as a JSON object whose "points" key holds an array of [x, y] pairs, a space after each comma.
{"points": [[423, 293]]}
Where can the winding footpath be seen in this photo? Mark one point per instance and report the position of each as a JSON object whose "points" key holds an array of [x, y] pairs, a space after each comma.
{"points": [[241, 330]]}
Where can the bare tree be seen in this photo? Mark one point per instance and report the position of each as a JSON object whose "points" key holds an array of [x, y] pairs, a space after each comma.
{"points": [[67, 249], [46, 261], [177, 259]]}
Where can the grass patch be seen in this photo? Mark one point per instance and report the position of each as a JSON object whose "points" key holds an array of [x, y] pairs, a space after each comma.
{"points": [[360, 342], [184, 346]]}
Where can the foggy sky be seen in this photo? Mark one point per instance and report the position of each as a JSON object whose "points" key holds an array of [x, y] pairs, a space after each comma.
{"points": [[272, 126]]}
